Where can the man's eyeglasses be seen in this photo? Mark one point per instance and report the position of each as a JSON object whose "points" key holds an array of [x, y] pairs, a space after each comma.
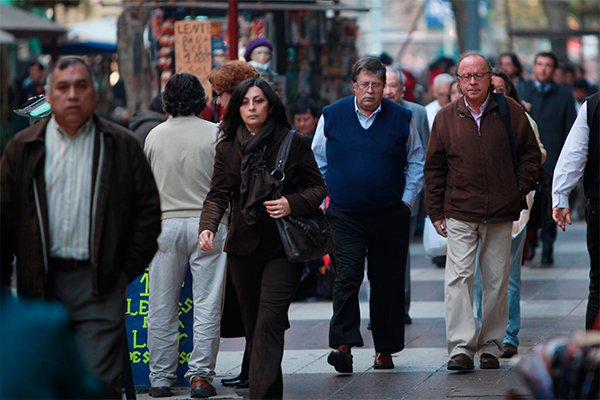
{"points": [[372, 85], [467, 77]]}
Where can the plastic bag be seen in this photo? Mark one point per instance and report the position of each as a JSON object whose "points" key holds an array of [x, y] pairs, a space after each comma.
{"points": [[434, 244]]}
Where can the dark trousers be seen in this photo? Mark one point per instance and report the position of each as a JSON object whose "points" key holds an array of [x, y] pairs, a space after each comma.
{"points": [[593, 245], [382, 237], [98, 322], [265, 288]]}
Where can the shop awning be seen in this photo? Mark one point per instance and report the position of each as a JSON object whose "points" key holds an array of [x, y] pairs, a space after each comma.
{"points": [[21, 24], [6, 38], [247, 5]]}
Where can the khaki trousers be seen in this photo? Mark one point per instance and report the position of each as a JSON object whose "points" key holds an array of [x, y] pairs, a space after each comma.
{"points": [[493, 242]]}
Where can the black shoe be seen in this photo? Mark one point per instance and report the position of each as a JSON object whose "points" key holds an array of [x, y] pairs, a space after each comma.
{"points": [[369, 325], [160, 391], [237, 382], [407, 320], [488, 361], [341, 359], [460, 362], [547, 261]]}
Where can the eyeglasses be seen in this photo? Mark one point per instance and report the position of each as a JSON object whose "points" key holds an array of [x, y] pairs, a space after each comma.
{"points": [[393, 85], [219, 94], [372, 85], [467, 77]]}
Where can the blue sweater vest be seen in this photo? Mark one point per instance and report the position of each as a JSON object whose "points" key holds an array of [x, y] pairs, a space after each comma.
{"points": [[365, 167]]}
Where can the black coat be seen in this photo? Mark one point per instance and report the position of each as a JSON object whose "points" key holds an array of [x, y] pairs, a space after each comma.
{"points": [[124, 226], [301, 171]]}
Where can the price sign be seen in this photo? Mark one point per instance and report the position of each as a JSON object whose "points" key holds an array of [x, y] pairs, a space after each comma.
{"points": [[193, 53]]}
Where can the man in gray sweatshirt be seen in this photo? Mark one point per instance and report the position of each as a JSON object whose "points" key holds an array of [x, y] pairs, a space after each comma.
{"points": [[181, 152]]}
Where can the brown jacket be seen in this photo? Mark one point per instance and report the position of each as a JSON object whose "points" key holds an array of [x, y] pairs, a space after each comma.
{"points": [[125, 221], [469, 173], [300, 171]]}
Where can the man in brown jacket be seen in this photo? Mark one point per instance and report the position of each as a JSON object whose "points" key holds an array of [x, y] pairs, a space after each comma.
{"points": [[472, 195]]}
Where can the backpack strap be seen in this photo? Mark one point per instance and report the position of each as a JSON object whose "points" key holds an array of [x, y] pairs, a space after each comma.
{"points": [[505, 117]]}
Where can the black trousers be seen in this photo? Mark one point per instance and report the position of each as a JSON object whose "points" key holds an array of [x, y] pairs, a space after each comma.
{"points": [[265, 287], [381, 237], [592, 218]]}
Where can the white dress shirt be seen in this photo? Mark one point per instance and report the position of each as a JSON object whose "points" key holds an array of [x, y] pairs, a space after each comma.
{"points": [[571, 162]]}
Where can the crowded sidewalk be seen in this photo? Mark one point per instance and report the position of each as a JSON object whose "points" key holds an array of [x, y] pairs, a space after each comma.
{"points": [[553, 303]]}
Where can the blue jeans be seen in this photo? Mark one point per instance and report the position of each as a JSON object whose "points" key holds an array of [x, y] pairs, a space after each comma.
{"points": [[514, 290]]}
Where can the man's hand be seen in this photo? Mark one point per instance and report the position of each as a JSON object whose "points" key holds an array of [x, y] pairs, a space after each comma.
{"points": [[440, 227], [560, 216]]}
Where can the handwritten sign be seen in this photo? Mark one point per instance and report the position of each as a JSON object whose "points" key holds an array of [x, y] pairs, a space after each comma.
{"points": [[137, 330], [193, 53]]}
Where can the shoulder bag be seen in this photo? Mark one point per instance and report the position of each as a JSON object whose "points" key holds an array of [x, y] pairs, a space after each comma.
{"points": [[303, 238]]}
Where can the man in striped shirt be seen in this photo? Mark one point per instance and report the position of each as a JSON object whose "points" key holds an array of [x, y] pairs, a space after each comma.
{"points": [[80, 212]]}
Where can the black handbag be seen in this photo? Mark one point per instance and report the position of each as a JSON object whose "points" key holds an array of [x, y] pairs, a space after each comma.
{"points": [[303, 238]]}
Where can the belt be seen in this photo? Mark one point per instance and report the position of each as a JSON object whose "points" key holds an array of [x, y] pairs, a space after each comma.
{"points": [[55, 262]]}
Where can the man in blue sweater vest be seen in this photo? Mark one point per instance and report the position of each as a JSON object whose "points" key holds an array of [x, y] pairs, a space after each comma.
{"points": [[372, 159]]}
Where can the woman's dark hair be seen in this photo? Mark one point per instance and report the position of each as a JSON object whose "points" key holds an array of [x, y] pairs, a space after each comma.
{"points": [[515, 61], [232, 119], [184, 95], [511, 91]]}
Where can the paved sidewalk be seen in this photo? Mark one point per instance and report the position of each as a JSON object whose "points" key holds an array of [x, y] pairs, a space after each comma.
{"points": [[553, 303]]}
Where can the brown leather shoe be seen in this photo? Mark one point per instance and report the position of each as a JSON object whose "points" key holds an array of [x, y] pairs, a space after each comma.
{"points": [[460, 362], [201, 388], [488, 361], [341, 359], [383, 361], [508, 350]]}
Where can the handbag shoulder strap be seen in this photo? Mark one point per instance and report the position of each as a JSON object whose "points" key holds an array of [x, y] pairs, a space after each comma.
{"points": [[284, 151], [282, 156]]}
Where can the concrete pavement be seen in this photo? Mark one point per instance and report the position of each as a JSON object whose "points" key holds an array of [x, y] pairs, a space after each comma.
{"points": [[553, 303]]}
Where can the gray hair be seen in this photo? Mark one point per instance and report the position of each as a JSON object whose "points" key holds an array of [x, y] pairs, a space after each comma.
{"points": [[370, 64], [396, 69], [442, 79], [66, 62]]}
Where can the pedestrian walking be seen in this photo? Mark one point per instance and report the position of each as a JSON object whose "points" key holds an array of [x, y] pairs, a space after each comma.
{"points": [[473, 191], [441, 92], [81, 213], [254, 125], [372, 160], [580, 157], [553, 108], [181, 153], [224, 80]]}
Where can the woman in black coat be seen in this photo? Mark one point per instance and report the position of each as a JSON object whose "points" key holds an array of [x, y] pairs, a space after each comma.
{"points": [[254, 125]]}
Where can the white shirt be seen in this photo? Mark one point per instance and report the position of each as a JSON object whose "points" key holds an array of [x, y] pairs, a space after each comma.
{"points": [[432, 109], [571, 162], [68, 176], [415, 154]]}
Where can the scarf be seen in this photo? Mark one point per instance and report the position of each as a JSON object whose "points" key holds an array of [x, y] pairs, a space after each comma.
{"points": [[256, 180]]}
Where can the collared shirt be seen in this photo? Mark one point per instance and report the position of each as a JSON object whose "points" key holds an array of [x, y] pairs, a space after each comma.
{"points": [[477, 116], [68, 175], [415, 154], [571, 162]]}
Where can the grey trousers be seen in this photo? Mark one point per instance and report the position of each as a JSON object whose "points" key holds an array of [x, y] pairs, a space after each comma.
{"points": [[177, 251]]}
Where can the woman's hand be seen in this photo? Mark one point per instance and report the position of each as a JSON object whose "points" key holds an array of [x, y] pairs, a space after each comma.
{"points": [[205, 240], [278, 208]]}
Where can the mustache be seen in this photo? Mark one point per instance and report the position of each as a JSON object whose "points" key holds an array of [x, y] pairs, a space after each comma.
{"points": [[369, 97]]}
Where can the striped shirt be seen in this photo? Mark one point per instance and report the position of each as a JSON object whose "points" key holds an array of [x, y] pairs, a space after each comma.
{"points": [[68, 175]]}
